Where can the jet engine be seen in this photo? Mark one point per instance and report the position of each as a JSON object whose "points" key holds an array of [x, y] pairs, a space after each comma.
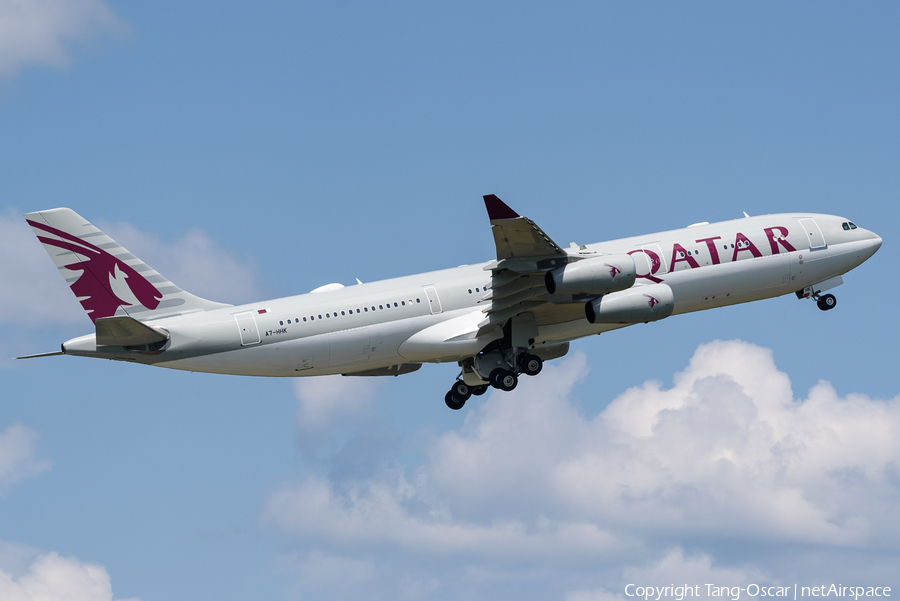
{"points": [[597, 275], [635, 305]]}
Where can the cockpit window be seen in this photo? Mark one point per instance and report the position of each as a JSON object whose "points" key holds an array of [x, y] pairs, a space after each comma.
{"points": [[846, 226], [852, 226]]}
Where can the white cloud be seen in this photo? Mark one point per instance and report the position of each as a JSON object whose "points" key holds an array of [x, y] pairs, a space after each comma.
{"points": [[331, 575], [725, 459], [675, 570], [328, 407], [27, 574], [326, 399], [34, 293], [39, 31], [17, 456], [195, 263]]}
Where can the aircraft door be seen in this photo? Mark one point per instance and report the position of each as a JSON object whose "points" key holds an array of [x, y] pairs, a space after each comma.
{"points": [[434, 302], [246, 323], [813, 234]]}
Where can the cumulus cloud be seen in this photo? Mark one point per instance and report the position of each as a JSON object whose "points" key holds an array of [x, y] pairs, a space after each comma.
{"points": [[34, 293], [18, 456], [674, 569], [195, 263], [40, 31], [32, 290], [726, 460], [329, 398], [27, 574], [328, 406]]}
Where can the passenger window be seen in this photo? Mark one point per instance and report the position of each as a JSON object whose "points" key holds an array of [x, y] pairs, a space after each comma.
{"points": [[395, 304], [403, 303], [366, 309], [304, 319], [380, 307], [320, 317], [281, 323]]}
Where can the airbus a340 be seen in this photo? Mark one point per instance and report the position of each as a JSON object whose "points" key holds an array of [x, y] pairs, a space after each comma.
{"points": [[497, 320]]}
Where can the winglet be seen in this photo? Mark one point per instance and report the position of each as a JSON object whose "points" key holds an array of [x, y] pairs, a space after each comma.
{"points": [[497, 209]]}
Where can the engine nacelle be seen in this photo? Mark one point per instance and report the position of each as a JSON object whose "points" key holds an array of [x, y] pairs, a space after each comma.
{"points": [[636, 305], [597, 275]]}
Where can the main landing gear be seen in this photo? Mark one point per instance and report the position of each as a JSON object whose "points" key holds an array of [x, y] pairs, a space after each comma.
{"points": [[501, 374], [460, 392]]}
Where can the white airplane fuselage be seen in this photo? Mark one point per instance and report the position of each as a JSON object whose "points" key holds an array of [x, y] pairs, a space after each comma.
{"points": [[434, 316]]}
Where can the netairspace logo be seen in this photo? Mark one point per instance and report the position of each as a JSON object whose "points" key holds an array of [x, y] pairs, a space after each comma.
{"points": [[679, 593]]}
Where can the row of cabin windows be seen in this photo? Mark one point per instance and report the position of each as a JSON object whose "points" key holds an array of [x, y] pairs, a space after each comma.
{"points": [[350, 311], [478, 290], [724, 246]]}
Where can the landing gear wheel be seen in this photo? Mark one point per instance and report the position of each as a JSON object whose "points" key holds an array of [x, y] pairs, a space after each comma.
{"points": [[461, 391], [827, 302], [493, 378], [452, 402], [531, 365], [504, 379], [480, 390]]}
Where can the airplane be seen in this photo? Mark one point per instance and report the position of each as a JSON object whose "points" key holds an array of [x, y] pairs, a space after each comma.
{"points": [[497, 320]]}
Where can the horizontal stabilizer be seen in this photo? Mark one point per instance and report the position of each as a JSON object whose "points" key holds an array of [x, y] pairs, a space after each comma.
{"points": [[53, 354], [127, 331]]}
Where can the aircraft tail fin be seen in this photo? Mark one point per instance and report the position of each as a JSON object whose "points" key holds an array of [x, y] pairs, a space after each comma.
{"points": [[106, 279]]}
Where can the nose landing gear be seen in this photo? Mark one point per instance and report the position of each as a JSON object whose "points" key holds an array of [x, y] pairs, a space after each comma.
{"points": [[827, 302]]}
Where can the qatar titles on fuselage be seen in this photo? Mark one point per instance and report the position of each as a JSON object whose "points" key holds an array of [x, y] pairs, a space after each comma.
{"points": [[498, 320]]}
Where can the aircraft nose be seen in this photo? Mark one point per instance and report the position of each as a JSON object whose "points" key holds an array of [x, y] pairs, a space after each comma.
{"points": [[876, 242]]}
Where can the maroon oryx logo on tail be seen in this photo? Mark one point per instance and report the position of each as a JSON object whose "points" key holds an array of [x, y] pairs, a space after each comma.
{"points": [[98, 268]]}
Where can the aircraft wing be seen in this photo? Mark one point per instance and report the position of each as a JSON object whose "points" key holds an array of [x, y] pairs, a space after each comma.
{"points": [[524, 254], [517, 236]]}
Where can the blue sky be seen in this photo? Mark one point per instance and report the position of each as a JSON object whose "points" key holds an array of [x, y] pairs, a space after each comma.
{"points": [[258, 151]]}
